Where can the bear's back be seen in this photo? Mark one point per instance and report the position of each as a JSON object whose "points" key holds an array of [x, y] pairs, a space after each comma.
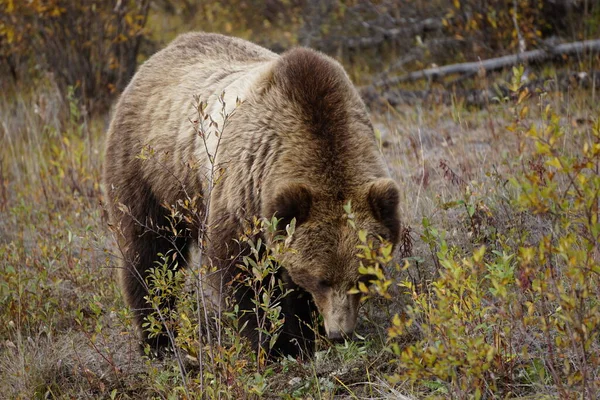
{"points": [[158, 107], [194, 47], [193, 64]]}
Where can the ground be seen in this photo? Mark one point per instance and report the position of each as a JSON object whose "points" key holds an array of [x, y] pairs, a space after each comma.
{"points": [[64, 331]]}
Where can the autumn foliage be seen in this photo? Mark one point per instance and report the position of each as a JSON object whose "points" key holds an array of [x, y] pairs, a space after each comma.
{"points": [[89, 44]]}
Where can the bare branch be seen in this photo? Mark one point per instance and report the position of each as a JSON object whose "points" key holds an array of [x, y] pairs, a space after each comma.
{"points": [[492, 64]]}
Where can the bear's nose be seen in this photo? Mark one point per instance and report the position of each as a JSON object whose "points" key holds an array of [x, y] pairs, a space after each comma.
{"points": [[335, 336]]}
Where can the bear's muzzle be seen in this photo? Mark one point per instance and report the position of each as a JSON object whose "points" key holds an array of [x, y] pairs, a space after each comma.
{"points": [[340, 314]]}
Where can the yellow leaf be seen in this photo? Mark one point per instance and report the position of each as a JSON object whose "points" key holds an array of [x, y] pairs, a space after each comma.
{"points": [[526, 254], [362, 236], [478, 254], [362, 287], [523, 95], [554, 162], [490, 354], [405, 266], [530, 308], [386, 251], [56, 11], [542, 148], [185, 318], [10, 34], [533, 132]]}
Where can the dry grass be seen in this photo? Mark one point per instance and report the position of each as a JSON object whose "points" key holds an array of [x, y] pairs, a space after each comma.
{"points": [[64, 332]]}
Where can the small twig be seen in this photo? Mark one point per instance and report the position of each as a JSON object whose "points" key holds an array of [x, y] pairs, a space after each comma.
{"points": [[519, 35], [421, 183], [3, 190], [452, 176]]}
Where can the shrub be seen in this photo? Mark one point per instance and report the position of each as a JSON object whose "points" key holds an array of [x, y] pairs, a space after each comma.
{"points": [[521, 312], [90, 45]]}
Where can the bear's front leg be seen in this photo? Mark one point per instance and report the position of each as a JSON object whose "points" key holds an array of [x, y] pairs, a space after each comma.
{"points": [[142, 252]]}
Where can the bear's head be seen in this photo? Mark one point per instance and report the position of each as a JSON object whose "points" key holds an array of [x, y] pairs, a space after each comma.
{"points": [[323, 260]]}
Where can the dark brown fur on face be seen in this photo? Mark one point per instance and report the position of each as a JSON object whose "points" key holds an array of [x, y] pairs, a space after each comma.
{"points": [[299, 146]]}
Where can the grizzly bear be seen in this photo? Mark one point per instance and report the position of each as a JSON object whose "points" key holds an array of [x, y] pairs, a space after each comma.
{"points": [[289, 137]]}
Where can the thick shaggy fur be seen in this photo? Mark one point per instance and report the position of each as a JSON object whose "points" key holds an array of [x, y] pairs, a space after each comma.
{"points": [[300, 145]]}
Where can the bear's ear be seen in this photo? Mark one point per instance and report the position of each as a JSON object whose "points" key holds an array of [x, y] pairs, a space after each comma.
{"points": [[290, 201], [384, 197]]}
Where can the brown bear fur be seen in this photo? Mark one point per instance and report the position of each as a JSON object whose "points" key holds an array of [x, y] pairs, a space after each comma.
{"points": [[299, 145]]}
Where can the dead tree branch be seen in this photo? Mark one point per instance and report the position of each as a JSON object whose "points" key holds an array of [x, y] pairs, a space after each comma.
{"points": [[492, 64], [383, 35]]}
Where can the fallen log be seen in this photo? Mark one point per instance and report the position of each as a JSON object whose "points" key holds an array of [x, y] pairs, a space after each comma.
{"points": [[382, 99], [492, 64]]}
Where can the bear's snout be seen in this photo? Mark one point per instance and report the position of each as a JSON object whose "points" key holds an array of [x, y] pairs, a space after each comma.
{"points": [[340, 315], [336, 336]]}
